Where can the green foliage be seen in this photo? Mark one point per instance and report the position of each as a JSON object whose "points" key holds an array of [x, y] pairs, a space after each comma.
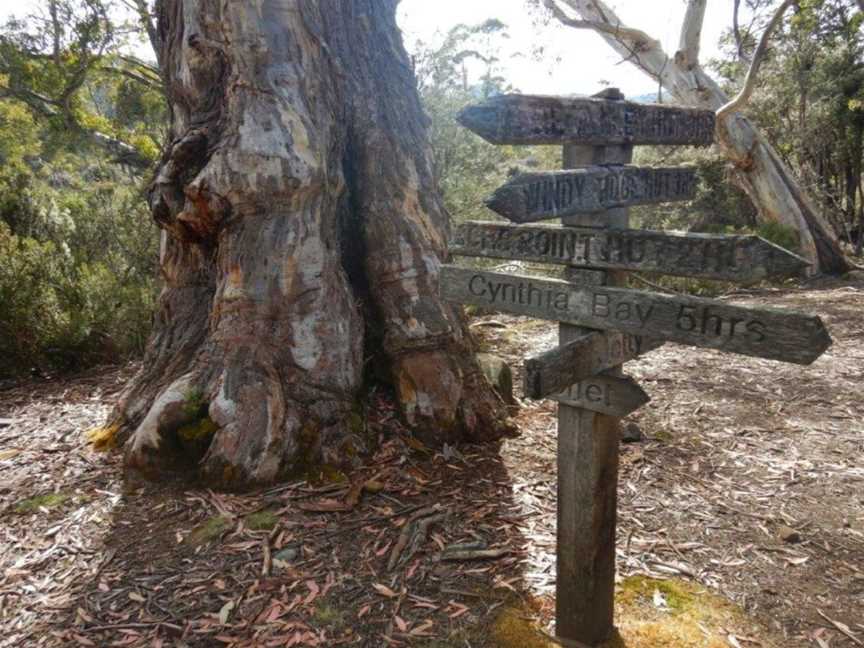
{"points": [[780, 234], [77, 285], [718, 202], [77, 282], [809, 98]]}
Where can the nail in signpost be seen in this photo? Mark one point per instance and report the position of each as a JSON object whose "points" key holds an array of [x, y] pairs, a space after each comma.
{"points": [[602, 323]]}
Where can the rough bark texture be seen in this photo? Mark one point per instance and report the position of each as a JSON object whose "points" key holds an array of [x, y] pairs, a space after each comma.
{"points": [[302, 241], [759, 169]]}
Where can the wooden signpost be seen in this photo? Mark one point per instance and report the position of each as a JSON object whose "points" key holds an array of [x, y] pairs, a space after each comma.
{"points": [[769, 333], [521, 119], [744, 259], [605, 394], [586, 356], [603, 324], [533, 197]]}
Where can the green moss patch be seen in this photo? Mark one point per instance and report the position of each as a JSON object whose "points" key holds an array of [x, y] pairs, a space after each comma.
{"points": [[514, 628], [328, 615], [210, 530], [261, 521], [689, 616], [47, 502]]}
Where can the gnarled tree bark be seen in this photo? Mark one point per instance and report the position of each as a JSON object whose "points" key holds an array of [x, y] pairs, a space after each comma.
{"points": [[759, 170], [302, 240]]}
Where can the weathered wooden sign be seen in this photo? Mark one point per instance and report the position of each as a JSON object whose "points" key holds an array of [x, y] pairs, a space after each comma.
{"points": [[586, 356], [708, 256], [775, 334], [605, 394], [532, 197], [524, 119]]}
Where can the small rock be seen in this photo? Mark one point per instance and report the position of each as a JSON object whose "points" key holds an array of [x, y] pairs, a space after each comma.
{"points": [[286, 555], [499, 375], [788, 535], [631, 433]]}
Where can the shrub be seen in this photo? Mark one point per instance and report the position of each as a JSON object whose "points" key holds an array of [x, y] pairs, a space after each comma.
{"points": [[54, 315]]}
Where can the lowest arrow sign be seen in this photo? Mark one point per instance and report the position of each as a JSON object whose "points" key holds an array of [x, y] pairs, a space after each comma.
{"points": [[707, 256], [533, 197], [524, 119], [584, 357], [605, 394], [776, 334]]}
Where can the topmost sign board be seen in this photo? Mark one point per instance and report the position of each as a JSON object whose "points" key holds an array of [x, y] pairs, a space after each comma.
{"points": [[525, 119]]}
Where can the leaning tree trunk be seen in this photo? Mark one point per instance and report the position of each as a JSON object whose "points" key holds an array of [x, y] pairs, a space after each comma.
{"points": [[302, 237], [759, 170]]}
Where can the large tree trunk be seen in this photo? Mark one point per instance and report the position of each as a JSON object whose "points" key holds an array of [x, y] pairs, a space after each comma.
{"points": [[759, 170], [301, 246]]}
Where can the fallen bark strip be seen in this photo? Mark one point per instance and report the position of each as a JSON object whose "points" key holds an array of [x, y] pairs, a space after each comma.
{"points": [[414, 534], [474, 554]]}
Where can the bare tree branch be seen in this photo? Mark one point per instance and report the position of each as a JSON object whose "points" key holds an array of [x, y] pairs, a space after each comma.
{"points": [[146, 17], [154, 84], [46, 107], [143, 66], [736, 28], [634, 45], [636, 37], [691, 33], [758, 58]]}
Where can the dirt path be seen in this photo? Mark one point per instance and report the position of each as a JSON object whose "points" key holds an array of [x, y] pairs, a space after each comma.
{"points": [[735, 449]]}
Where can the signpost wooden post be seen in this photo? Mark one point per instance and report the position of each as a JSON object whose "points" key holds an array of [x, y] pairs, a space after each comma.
{"points": [[602, 323], [588, 454]]}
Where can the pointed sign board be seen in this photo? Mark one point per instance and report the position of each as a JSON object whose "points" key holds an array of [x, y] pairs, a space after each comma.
{"points": [[586, 356], [775, 334], [612, 395], [532, 197], [744, 259], [525, 119]]}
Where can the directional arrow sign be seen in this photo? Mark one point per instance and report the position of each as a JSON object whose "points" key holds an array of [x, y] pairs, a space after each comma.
{"points": [[708, 256], [584, 357], [533, 197], [522, 119], [605, 394], [776, 334]]}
